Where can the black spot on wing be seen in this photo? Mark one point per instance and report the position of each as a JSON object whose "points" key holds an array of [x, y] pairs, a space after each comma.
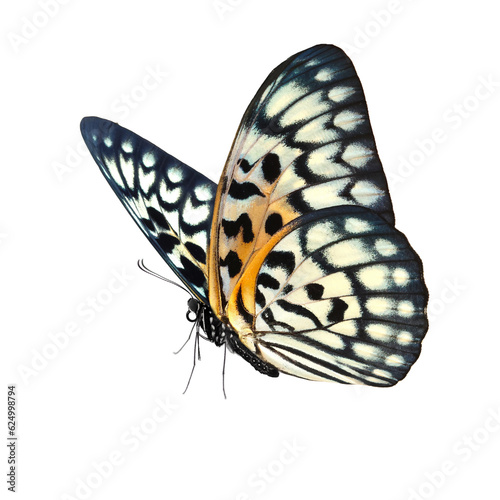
{"points": [[300, 311], [168, 242], [268, 281], [259, 298], [148, 225], [196, 251], [244, 190], [337, 309], [271, 167], [314, 291], [156, 217], [193, 273], [274, 223], [232, 262], [245, 166], [232, 228], [281, 258], [297, 202]]}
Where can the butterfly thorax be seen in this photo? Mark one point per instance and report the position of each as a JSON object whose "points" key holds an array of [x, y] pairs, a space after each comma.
{"points": [[215, 330], [221, 333]]}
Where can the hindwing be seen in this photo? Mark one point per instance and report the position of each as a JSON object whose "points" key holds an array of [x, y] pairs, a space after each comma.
{"points": [[169, 201], [336, 295]]}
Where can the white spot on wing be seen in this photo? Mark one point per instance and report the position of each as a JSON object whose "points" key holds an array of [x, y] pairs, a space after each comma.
{"points": [[146, 179], [336, 285], [347, 328], [385, 247], [354, 225], [195, 215], [400, 276], [127, 167], [325, 75], [382, 373], [282, 98], [113, 171], [394, 360], [127, 146], [175, 174], [148, 160], [304, 109], [347, 253], [347, 120], [204, 192], [338, 94], [379, 306], [320, 234], [320, 162], [405, 338], [316, 132], [366, 193], [373, 277], [172, 196], [326, 194], [357, 155], [379, 332], [366, 351], [406, 308]]}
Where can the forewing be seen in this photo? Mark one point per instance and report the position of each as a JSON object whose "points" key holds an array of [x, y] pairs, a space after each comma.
{"points": [[305, 143], [169, 201], [337, 295]]}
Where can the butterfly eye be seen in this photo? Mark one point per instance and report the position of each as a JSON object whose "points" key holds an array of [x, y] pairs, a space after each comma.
{"points": [[194, 307]]}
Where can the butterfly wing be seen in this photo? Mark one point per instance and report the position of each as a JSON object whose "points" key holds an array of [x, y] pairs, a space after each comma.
{"points": [[169, 201], [305, 143], [336, 295], [305, 263]]}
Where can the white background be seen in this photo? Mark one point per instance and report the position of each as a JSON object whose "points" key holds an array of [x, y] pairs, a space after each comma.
{"points": [[64, 236]]}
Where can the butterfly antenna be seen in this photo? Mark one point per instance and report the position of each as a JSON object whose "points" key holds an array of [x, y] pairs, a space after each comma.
{"points": [[143, 267]]}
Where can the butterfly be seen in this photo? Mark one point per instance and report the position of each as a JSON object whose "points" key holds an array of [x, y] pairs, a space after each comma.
{"points": [[292, 260]]}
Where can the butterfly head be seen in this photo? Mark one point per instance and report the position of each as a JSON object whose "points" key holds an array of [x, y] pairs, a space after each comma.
{"points": [[214, 330], [193, 309]]}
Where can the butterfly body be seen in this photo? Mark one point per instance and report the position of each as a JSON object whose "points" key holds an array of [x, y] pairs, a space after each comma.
{"points": [[221, 333], [293, 259]]}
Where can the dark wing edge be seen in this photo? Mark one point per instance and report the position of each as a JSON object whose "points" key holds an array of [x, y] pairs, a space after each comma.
{"points": [[170, 202]]}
